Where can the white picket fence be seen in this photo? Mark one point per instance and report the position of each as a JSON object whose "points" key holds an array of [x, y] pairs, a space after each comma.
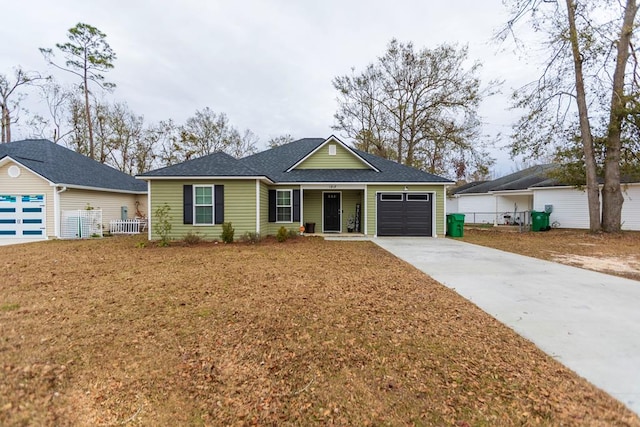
{"points": [[127, 226], [81, 224]]}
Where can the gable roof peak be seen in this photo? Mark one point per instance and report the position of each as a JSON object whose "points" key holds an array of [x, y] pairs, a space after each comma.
{"points": [[342, 144]]}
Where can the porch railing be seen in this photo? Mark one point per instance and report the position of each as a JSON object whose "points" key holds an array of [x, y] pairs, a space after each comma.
{"points": [[126, 226]]}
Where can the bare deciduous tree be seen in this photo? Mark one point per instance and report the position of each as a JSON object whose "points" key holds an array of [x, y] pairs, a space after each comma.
{"points": [[10, 97], [207, 132], [418, 108], [277, 141]]}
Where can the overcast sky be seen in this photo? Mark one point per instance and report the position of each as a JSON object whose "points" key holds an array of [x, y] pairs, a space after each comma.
{"points": [[267, 64]]}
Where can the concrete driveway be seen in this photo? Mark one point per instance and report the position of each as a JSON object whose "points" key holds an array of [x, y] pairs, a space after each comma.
{"points": [[588, 321], [12, 241]]}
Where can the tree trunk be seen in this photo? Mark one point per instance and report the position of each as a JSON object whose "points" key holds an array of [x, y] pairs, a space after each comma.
{"points": [[3, 121], [612, 198], [87, 113], [7, 125], [593, 193]]}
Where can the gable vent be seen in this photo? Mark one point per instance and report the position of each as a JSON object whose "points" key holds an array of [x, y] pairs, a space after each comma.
{"points": [[332, 149]]}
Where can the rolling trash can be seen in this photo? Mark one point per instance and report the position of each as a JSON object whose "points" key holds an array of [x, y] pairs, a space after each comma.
{"points": [[540, 221], [455, 225]]}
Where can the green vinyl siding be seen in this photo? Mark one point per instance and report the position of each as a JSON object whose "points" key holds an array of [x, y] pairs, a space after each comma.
{"points": [[349, 200], [264, 209], [343, 159], [271, 228], [239, 207], [438, 201], [312, 208]]}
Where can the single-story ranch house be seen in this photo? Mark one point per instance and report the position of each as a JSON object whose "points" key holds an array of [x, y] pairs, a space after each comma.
{"points": [[39, 180], [322, 183], [510, 199]]}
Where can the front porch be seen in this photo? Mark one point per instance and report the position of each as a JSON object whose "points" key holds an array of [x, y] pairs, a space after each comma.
{"points": [[339, 236], [333, 210]]}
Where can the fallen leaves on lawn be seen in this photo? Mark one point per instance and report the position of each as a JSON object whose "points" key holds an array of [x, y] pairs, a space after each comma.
{"points": [[307, 332]]}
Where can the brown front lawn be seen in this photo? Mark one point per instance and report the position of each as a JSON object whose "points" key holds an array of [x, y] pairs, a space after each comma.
{"points": [[305, 332], [617, 254]]}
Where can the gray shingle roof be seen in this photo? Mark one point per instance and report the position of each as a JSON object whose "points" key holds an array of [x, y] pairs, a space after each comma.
{"points": [[275, 163], [216, 164], [520, 180], [63, 166], [465, 187]]}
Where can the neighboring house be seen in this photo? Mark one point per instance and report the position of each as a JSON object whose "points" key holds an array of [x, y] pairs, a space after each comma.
{"points": [[452, 201], [501, 201], [40, 179], [509, 199], [570, 206], [312, 181]]}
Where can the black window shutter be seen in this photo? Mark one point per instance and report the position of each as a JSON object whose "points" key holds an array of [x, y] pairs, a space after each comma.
{"points": [[219, 200], [272, 205], [187, 203], [296, 205]]}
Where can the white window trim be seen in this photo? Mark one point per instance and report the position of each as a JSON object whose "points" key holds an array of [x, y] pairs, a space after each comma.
{"points": [[284, 206], [390, 193], [408, 199], [213, 206]]}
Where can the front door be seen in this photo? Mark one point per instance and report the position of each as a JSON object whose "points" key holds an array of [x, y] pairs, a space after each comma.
{"points": [[331, 202]]}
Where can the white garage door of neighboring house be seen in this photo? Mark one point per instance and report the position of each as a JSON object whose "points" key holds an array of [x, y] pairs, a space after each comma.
{"points": [[22, 216], [405, 214]]}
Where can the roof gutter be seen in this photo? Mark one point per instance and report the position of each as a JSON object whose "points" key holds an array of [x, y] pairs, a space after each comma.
{"points": [[203, 177]]}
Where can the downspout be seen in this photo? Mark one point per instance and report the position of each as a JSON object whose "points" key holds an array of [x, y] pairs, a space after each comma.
{"points": [[258, 207], [301, 206], [56, 210], [149, 210]]}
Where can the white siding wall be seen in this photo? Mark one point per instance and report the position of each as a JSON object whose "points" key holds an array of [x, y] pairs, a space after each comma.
{"points": [[570, 207], [483, 206], [110, 203], [452, 205], [631, 207], [31, 184]]}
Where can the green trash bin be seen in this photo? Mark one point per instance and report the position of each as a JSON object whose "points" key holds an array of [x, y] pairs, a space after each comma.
{"points": [[540, 221], [455, 225]]}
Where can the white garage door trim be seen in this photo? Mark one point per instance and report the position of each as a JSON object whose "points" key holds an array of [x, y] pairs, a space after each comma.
{"points": [[406, 199]]}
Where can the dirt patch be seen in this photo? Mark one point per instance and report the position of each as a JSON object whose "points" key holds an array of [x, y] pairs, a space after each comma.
{"points": [[612, 265], [307, 332], [617, 254]]}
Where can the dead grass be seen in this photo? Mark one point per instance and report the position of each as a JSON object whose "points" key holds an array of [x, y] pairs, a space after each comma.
{"points": [[306, 332], [617, 254]]}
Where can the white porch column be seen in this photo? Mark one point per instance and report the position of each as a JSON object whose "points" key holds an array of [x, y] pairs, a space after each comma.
{"points": [[301, 205], [257, 206], [365, 202]]}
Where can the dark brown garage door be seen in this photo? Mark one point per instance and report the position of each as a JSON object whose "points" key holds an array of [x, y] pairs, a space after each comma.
{"points": [[404, 214]]}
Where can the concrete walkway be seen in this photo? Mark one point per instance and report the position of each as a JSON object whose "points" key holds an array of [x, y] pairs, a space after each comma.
{"points": [[588, 321]]}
